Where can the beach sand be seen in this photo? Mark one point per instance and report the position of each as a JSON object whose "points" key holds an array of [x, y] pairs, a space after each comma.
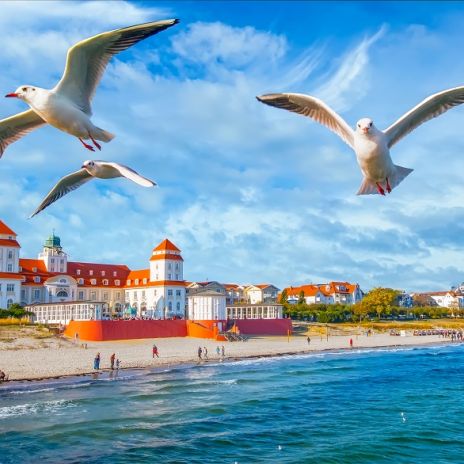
{"points": [[33, 359]]}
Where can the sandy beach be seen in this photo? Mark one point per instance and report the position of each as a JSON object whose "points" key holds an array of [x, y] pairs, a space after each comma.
{"points": [[28, 358]]}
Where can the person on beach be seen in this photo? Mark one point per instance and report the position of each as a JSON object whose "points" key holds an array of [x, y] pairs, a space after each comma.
{"points": [[96, 362], [223, 351], [118, 363], [3, 377], [218, 351], [205, 352], [308, 340], [199, 352], [112, 358], [155, 351], [351, 343]]}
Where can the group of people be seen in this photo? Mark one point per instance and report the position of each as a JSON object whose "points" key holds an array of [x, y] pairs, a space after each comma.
{"points": [[203, 352], [114, 363]]}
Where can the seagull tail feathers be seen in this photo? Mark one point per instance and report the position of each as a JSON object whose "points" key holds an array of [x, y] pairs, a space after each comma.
{"points": [[367, 188], [400, 174], [102, 135]]}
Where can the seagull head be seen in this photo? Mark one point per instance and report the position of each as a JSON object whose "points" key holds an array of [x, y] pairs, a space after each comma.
{"points": [[89, 165], [25, 92], [365, 126]]}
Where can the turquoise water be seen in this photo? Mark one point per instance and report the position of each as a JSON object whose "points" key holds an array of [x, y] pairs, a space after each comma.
{"points": [[396, 406]]}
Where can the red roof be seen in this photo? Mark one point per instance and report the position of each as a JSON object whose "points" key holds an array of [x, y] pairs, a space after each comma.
{"points": [[10, 243], [5, 230], [165, 256], [114, 274], [166, 245], [157, 283], [11, 275]]}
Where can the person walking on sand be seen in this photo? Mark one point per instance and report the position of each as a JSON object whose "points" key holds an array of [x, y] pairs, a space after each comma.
{"points": [[205, 352], [3, 377], [199, 352], [218, 351], [308, 340], [96, 362], [223, 351], [112, 358], [155, 351], [351, 343]]}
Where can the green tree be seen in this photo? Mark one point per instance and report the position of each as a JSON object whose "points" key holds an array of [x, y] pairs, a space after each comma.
{"points": [[301, 297], [283, 296], [380, 301]]}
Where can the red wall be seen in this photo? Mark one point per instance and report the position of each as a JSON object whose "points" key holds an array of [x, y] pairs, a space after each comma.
{"points": [[264, 326], [125, 330]]}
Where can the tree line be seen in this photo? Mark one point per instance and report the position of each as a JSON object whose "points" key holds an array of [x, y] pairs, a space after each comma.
{"points": [[379, 303]]}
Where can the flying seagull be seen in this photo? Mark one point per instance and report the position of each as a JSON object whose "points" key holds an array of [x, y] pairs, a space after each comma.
{"points": [[371, 145], [90, 170], [67, 105]]}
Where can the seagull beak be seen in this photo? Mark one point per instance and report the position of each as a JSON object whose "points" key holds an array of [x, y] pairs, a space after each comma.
{"points": [[12, 95], [365, 130]]}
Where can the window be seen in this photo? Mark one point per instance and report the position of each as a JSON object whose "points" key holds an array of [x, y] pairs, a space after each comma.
{"points": [[23, 294], [170, 292], [105, 281], [128, 282], [135, 295], [10, 268], [52, 260], [80, 281], [143, 294], [10, 287], [62, 294], [169, 276], [80, 295], [157, 278], [10, 254], [93, 281], [9, 303], [136, 281], [118, 295], [78, 272], [63, 281], [91, 272], [36, 279], [115, 274], [103, 273], [177, 266], [117, 282], [93, 296], [169, 266], [105, 296], [178, 293], [34, 269], [178, 306], [177, 276], [36, 294]]}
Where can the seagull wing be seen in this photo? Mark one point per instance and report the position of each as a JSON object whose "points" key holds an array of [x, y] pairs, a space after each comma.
{"points": [[65, 185], [430, 108], [87, 60], [129, 173], [14, 127], [313, 108]]}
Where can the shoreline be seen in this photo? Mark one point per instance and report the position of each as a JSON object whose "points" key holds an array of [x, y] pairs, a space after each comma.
{"points": [[163, 363]]}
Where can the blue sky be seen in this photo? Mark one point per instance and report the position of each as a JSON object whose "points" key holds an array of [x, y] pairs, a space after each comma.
{"points": [[249, 193]]}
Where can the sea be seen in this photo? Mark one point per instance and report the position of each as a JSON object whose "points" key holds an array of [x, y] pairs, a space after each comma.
{"points": [[402, 405]]}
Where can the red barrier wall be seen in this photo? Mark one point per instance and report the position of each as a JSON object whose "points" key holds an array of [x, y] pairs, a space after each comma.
{"points": [[125, 330], [264, 326]]}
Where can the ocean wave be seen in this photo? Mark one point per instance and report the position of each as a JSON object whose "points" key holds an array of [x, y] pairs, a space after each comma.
{"points": [[35, 408]]}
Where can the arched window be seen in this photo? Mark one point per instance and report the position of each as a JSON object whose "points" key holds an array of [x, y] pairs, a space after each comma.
{"points": [[9, 303], [178, 306], [62, 294], [170, 306]]}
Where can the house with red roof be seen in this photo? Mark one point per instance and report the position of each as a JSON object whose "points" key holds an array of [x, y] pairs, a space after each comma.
{"points": [[158, 291], [328, 293], [261, 293]]}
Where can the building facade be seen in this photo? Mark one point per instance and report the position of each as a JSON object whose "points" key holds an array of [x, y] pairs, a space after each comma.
{"points": [[158, 291], [328, 293]]}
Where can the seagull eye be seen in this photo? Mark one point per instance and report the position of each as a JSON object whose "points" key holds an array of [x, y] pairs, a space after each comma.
{"points": [[370, 124], [33, 89], [24, 89], [359, 125]]}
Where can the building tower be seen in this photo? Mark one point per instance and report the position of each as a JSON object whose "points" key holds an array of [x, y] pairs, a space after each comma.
{"points": [[167, 275], [10, 279], [55, 259]]}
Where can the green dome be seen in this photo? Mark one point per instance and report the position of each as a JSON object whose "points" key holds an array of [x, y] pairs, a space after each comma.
{"points": [[53, 242]]}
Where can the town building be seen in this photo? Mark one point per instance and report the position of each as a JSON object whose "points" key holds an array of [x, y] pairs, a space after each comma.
{"points": [[328, 293], [261, 293]]}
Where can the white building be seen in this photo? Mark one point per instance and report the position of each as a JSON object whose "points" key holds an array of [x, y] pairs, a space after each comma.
{"points": [[207, 305], [261, 293], [158, 291], [63, 313], [255, 311]]}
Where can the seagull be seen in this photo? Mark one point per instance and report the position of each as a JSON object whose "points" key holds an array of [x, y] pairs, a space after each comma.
{"points": [[67, 105], [371, 145], [90, 169]]}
